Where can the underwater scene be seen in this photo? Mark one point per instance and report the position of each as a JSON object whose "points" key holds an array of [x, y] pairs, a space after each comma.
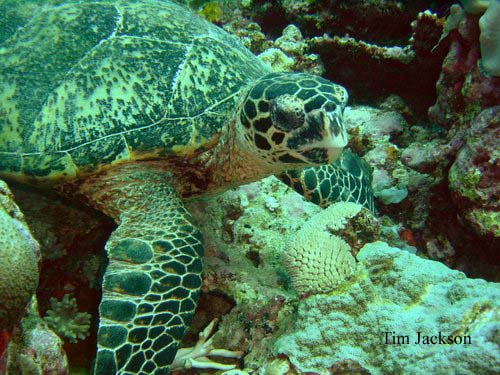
{"points": [[249, 187]]}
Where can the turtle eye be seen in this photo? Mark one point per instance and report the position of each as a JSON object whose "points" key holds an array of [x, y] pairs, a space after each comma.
{"points": [[287, 112]]}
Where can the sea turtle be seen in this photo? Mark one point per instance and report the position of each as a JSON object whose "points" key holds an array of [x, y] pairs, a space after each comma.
{"points": [[135, 106]]}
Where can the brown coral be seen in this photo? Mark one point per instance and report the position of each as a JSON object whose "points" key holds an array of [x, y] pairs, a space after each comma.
{"points": [[409, 71], [19, 254]]}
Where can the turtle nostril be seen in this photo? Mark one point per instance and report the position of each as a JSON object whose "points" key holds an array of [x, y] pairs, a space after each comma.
{"points": [[329, 107], [328, 122], [334, 123]]}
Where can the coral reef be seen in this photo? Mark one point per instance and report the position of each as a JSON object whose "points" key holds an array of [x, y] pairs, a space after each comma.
{"points": [[244, 231], [246, 239], [34, 348], [474, 179], [345, 38], [371, 70], [398, 296], [71, 238], [396, 67], [19, 256], [411, 157], [243, 280], [435, 179], [390, 287], [462, 90], [318, 263], [66, 320], [372, 47], [466, 106], [381, 135], [489, 39], [289, 52]]}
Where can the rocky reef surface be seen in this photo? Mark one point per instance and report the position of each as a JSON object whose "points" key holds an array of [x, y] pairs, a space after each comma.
{"points": [[299, 289], [400, 314], [254, 233]]}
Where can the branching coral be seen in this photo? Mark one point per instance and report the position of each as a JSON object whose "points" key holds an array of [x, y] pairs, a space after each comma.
{"points": [[65, 319]]}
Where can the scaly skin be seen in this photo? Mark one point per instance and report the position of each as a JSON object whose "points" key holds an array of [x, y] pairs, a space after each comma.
{"points": [[348, 179], [152, 282]]}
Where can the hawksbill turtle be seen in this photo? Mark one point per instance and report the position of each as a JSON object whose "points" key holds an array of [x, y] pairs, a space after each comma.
{"points": [[137, 106]]}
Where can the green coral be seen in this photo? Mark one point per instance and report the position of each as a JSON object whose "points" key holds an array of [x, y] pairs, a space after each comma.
{"points": [[487, 221], [466, 184], [212, 11], [65, 319]]}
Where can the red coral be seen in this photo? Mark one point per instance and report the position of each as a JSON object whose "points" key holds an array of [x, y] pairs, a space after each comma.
{"points": [[4, 340], [407, 236]]}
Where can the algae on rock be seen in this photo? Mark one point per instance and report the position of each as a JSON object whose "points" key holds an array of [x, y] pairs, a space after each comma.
{"points": [[34, 349], [397, 294]]}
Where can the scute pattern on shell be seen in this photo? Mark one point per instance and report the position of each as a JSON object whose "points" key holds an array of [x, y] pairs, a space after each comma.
{"points": [[139, 81]]}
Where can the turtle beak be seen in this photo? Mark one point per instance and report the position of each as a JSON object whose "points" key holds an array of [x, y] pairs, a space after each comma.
{"points": [[333, 136], [334, 154]]}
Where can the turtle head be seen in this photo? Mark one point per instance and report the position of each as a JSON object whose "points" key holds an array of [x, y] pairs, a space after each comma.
{"points": [[294, 119]]}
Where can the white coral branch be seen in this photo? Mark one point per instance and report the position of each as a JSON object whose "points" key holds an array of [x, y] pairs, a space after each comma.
{"points": [[197, 356]]}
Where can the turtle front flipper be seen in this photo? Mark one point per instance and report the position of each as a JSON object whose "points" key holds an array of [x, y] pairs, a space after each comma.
{"points": [[348, 179], [152, 282]]}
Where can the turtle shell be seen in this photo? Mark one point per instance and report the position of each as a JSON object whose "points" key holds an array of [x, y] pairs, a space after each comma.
{"points": [[87, 85]]}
